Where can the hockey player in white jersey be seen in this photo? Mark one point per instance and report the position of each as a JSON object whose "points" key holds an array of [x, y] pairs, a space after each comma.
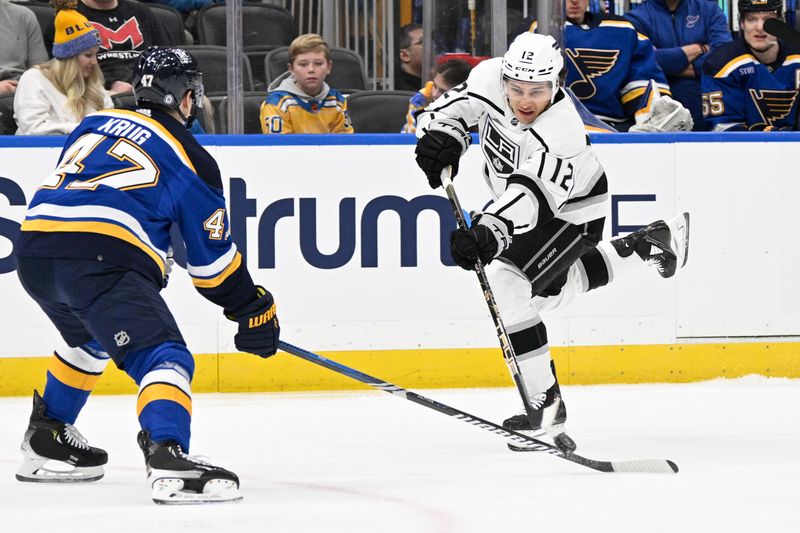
{"points": [[541, 234]]}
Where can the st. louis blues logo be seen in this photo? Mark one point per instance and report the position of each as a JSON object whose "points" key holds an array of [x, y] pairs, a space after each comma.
{"points": [[590, 64], [773, 106]]}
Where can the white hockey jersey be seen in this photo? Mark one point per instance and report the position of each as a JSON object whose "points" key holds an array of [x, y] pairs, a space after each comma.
{"points": [[536, 171]]}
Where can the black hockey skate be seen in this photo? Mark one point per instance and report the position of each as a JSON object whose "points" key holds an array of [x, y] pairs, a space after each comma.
{"points": [[662, 244], [550, 415], [178, 478], [55, 452]]}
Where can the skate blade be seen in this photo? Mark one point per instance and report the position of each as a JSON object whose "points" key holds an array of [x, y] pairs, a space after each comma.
{"points": [[684, 254], [169, 491], [518, 446], [553, 435], [52, 471]]}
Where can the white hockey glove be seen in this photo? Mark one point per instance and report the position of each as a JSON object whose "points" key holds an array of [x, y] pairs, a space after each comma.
{"points": [[665, 114]]}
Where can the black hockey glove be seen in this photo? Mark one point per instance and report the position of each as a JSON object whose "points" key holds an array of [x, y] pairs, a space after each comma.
{"points": [[488, 237], [258, 326], [435, 150]]}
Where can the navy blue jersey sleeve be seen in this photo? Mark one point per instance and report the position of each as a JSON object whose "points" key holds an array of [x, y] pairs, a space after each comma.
{"points": [[644, 68], [215, 265]]}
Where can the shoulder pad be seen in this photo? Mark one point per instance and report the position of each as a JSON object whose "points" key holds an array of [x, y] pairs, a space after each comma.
{"points": [[560, 129], [614, 21], [718, 63]]}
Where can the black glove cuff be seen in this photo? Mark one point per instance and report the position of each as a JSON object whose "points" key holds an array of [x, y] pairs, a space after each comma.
{"points": [[264, 301]]}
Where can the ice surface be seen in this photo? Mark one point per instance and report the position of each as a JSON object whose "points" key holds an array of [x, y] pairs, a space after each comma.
{"points": [[367, 462]]}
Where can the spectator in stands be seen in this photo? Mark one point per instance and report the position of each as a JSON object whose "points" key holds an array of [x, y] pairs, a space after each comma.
{"points": [[186, 6], [207, 116], [751, 83], [612, 70], [188, 9], [52, 98], [21, 44], [447, 75], [126, 29], [408, 74], [299, 100], [683, 32]]}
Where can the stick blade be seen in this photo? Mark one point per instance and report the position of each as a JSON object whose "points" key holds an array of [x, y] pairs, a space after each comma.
{"points": [[647, 466], [782, 31]]}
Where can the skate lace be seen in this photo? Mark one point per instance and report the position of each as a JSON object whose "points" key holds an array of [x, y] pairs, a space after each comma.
{"points": [[651, 261], [198, 459], [537, 401], [74, 437]]}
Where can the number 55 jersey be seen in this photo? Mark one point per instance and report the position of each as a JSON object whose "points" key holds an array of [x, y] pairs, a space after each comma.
{"points": [[123, 178], [740, 93]]}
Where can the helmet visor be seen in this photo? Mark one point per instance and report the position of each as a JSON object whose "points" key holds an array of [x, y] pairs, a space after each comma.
{"points": [[531, 91]]}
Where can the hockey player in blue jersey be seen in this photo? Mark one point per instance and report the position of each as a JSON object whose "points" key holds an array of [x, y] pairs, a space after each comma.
{"points": [[612, 69], [93, 253], [682, 32], [752, 83]]}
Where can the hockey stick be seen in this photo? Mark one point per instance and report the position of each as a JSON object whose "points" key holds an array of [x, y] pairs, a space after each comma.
{"points": [[785, 33], [653, 466], [502, 335], [782, 31]]}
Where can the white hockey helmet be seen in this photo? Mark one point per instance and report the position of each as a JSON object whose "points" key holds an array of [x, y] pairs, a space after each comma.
{"points": [[533, 57]]}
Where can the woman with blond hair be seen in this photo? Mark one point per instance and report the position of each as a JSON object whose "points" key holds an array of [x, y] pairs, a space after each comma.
{"points": [[52, 98]]}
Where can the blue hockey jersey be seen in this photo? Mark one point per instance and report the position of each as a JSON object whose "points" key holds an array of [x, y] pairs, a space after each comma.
{"points": [[740, 93], [693, 21], [123, 178], [609, 66]]}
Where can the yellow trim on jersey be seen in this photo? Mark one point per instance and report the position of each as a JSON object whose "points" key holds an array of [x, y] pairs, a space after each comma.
{"points": [[163, 391], [209, 283], [595, 129], [639, 91], [617, 24], [71, 377], [155, 125], [642, 36], [646, 108], [84, 226], [794, 58], [633, 94], [733, 64]]}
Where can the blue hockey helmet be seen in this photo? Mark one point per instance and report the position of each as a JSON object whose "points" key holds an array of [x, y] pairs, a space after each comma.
{"points": [[164, 75]]}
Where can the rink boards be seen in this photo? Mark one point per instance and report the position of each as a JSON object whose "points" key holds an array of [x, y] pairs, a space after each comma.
{"points": [[348, 236]]}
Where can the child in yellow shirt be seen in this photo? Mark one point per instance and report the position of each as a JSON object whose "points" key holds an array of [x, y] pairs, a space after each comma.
{"points": [[299, 101]]}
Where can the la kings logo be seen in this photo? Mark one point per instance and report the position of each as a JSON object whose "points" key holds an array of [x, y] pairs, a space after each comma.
{"points": [[500, 151]]}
